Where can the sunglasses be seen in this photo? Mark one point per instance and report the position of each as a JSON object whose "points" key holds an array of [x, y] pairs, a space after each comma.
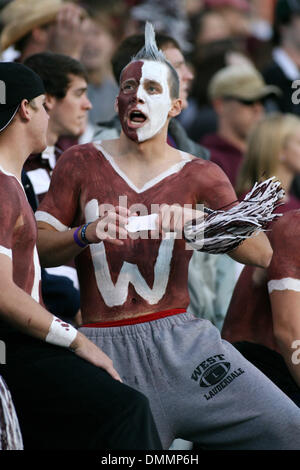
{"points": [[244, 101]]}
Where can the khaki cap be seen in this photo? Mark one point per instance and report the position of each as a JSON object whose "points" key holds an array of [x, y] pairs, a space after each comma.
{"points": [[241, 82], [19, 17]]}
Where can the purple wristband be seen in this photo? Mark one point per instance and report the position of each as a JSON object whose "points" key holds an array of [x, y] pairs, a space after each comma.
{"points": [[76, 238]]}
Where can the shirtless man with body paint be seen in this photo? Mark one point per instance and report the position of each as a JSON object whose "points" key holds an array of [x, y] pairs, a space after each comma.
{"points": [[134, 291]]}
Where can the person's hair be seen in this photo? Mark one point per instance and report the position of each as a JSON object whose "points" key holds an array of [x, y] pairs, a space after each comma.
{"points": [[265, 145], [33, 104], [132, 45], [284, 17], [56, 71]]}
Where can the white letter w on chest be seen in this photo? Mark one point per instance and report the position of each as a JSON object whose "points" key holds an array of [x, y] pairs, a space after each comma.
{"points": [[116, 294]]}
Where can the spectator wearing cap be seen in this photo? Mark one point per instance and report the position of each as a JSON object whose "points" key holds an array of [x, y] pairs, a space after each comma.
{"points": [[65, 81], [33, 26], [67, 394], [10, 104], [284, 67], [237, 93]]}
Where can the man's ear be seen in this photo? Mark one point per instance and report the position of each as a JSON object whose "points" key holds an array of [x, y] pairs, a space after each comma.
{"points": [[25, 111], [175, 108], [50, 102], [116, 105]]}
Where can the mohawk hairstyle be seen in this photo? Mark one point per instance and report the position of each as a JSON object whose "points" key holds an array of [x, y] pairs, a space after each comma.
{"points": [[150, 51]]}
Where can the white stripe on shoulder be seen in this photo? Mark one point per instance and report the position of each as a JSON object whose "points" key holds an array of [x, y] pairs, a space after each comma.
{"points": [[5, 251], [287, 283], [42, 216], [11, 174]]}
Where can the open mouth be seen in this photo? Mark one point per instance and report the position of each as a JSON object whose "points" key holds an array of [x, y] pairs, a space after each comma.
{"points": [[136, 117]]}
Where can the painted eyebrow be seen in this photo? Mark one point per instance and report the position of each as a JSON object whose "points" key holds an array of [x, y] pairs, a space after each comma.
{"points": [[129, 80], [151, 82]]}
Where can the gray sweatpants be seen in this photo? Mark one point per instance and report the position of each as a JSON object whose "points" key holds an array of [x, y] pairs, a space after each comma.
{"points": [[200, 387]]}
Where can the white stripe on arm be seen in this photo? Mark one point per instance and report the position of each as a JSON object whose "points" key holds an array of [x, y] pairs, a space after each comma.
{"points": [[5, 251], [42, 216], [287, 283]]}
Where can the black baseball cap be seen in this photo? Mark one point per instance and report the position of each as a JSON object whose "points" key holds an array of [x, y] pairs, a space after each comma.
{"points": [[17, 82]]}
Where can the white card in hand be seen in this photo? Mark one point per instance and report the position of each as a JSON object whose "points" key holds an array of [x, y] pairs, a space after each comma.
{"points": [[143, 222]]}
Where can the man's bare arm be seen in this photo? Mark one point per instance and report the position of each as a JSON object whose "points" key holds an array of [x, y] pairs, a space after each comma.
{"points": [[286, 324], [56, 248], [255, 251], [28, 316]]}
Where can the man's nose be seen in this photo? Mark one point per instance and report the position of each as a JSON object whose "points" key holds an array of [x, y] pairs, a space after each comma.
{"points": [[188, 74], [259, 108], [86, 103], [140, 95]]}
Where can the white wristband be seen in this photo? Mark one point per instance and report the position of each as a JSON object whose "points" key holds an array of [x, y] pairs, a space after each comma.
{"points": [[61, 333], [287, 283]]}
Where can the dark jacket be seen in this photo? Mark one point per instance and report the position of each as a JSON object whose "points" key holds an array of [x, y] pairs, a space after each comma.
{"points": [[274, 75]]}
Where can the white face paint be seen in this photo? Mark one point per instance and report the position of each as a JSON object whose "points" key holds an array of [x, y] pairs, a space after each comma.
{"points": [[153, 101]]}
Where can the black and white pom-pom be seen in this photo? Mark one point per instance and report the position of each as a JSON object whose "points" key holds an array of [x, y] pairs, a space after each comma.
{"points": [[10, 432], [222, 231]]}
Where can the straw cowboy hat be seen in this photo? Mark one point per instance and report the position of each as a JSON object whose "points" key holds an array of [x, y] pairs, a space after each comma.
{"points": [[19, 17]]}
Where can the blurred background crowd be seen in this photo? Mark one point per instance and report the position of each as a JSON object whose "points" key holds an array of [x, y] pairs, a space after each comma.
{"points": [[212, 34], [238, 63]]}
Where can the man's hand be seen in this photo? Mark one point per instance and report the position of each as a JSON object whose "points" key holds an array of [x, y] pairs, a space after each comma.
{"points": [[66, 34], [173, 218], [110, 228], [255, 251], [87, 350]]}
